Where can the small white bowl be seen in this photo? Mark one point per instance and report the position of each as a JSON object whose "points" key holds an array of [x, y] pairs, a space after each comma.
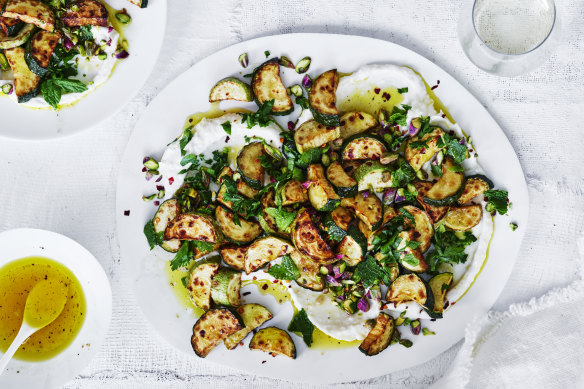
{"points": [[55, 372]]}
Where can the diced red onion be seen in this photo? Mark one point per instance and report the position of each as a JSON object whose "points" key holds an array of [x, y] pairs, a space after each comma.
{"points": [[306, 184], [423, 151], [109, 42], [68, 44], [144, 169], [389, 196], [462, 141], [399, 199], [146, 159], [339, 256], [170, 181], [306, 81], [332, 281], [110, 29], [272, 180], [345, 275], [122, 54], [412, 130], [363, 305], [336, 272], [158, 179], [365, 194], [368, 294], [291, 125], [341, 297]]}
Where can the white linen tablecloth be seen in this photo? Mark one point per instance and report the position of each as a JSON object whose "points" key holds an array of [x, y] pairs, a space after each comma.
{"points": [[68, 185]]}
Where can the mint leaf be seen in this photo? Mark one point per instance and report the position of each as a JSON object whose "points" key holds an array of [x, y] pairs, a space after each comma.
{"points": [[449, 247], [283, 218], [370, 272], [408, 215], [403, 90], [309, 157], [51, 93], [302, 324], [411, 259], [184, 256], [261, 117], [403, 175], [286, 270], [302, 102], [226, 127], [497, 200], [70, 86], [398, 115], [154, 238]]}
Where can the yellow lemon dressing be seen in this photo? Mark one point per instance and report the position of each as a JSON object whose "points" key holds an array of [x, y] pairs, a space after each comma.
{"points": [[17, 279]]}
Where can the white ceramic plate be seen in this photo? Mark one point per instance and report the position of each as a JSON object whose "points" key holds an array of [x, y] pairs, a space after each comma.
{"points": [[55, 372], [145, 35], [163, 121]]}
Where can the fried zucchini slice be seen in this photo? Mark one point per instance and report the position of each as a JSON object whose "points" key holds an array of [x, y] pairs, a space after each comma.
{"points": [[267, 85], [245, 232], [417, 263], [417, 157], [448, 188], [364, 146], [312, 134], [463, 218], [323, 99], [274, 341], [266, 220], [353, 123], [199, 284], [292, 192], [213, 327], [253, 315], [309, 269], [439, 284], [321, 193], [265, 250], [372, 175], [193, 226], [422, 225], [408, 287], [353, 246], [367, 208], [39, 51], [344, 184], [234, 256], [435, 213], [31, 11], [351, 166], [249, 165], [379, 337], [84, 12], [308, 241], [474, 186], [26, 83], [225, 287], [230, 88], [20, 38], [167, 212]]}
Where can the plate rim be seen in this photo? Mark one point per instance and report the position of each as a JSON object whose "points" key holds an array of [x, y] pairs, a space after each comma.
{"points": [[417, 57]]}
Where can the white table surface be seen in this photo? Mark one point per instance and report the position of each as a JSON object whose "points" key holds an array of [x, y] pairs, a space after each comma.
{"points": [[68, 185]]}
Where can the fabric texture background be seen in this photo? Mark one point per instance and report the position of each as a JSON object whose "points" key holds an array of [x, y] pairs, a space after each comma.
{"points": [[68, 185]]}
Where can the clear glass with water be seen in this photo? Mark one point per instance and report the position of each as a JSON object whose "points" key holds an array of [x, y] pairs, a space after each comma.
{"points": [[508, 37]]}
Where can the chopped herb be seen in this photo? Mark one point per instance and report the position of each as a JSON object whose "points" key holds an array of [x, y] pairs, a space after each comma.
{"points": [[371, 273], [283, 218], [154, 238], [403, 175], [84, 33], [302, 324], [406, 343], [302, 102], [241, 205], [449, 247], [436, 170], [424, 126], [184, 255], [286, 270], [267, 53], [403, 90], [399, 115], [185, 281], [411, 259], [227, 127], [261, 117], [408, 215], [497, 200]]}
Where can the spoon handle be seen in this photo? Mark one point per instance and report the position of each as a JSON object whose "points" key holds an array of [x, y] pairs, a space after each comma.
{"points": [[25, 332]]}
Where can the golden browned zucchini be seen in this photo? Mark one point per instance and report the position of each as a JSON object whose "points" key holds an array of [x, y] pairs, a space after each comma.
{"points": [[463, 218], [31, 11], [249, 165], [321, 193], [225, 287], [435, 213], [84, 12], [439, 284], [422, 226], [408, 287], [253, 315], [367, 208], [212, 328], [40, 49], [309, 270], [448, 188], [411, 259], [308, 241], [199, 284], [312, 134], [193, 226], [323, 99], [353, 123], [474, 186], [267, 85], [417, 157], [25, 82], [264, 250], [274, 341], [139, 3], [245, 232], [292, 192], [379, 337], [8, 25], [234, 256]]}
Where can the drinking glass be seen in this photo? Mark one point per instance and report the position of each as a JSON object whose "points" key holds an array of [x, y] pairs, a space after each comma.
{"points": [[508, 37]]}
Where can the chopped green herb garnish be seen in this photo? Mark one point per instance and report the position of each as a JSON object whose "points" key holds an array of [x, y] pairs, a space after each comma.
{"points": [[154, 238], [226, 127], [283, 218], [403, 90], [267, 53], [371, 273], [497, 200], [261, 117], [302, 324], [449, 247], [286, 270]]}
